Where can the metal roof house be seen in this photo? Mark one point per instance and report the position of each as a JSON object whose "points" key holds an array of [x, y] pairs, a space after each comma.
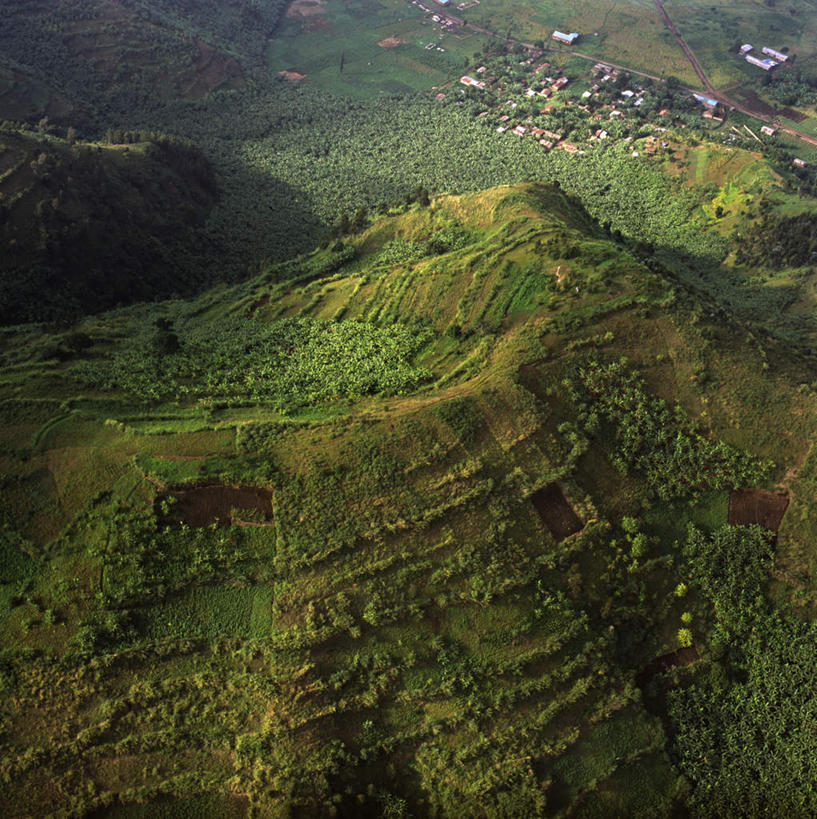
{"points": [[775, 55], [766, 65], [566, 38], [709, 102], [746, 48]]}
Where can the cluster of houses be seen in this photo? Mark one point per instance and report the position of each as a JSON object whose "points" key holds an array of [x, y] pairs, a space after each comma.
{"points": [[771, 59]]}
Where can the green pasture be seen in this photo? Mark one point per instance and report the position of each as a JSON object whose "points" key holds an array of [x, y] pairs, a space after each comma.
{"points": [[316, 44], [711, 30]]}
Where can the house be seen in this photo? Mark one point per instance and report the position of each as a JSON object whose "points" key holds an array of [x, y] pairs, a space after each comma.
{"points": [[440, 97], [746, 48], [470, 81], [569, 39], [546, 144], [586, 95], [765, 129], [504, 118], [443, 2], [709, 102], [560, 83], [799, 163], [571, 148], [520, 130], [775, 55], [552, 135], [627, 93], [766, 65], [482, 69]]}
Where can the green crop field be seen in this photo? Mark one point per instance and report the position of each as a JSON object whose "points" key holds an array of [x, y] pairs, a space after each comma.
{"points": [[386, 48]]}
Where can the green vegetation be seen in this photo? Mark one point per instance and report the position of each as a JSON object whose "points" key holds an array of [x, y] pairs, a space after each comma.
{"points": [[86, 227], [455, 513], [272, 548]]}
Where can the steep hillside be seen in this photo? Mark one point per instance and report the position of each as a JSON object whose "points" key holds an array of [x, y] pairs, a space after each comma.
{"points": [[395, 529], [115, 56], [88, 226]]}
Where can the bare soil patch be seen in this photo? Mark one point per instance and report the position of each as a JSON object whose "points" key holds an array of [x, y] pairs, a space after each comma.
{"points": [[666, 662], [391, 42], [223, 505], [756, 506], [214, 70], [794, 116], [292, 75], [556, 513], [305, 8], [259, 303]]}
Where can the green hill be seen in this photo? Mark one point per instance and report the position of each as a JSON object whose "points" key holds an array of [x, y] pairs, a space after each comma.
{"points": [[431, 521], [88, 226]]}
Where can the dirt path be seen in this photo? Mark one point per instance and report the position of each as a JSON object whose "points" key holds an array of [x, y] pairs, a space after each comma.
{"points": [[684, 47], [721, 95]]}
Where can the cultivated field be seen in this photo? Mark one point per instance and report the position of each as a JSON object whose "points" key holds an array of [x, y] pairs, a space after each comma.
{"points": [[386, 48]]}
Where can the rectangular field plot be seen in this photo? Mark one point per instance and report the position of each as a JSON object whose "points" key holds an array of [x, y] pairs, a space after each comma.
{"points": [[556, 513]]}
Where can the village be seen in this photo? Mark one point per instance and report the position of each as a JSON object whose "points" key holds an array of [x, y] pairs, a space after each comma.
{"points": [[532, 97]]}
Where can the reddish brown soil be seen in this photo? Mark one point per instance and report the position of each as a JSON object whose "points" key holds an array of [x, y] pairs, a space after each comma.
{"points": [[666, 662], [293, 75], [258, 304], [750, 506], [556, 512], [204, 505], [391, 42]]}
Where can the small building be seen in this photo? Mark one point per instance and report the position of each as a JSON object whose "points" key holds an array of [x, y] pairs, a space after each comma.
{"points": [[520, 130], [767, 64], [443, 2], [482, 69], [470, 81], [765, 129], [553, 135], [709, 102], [746, 48], [504, 118], [569, 39], [775, 55], [799, 163], [440, 97], [546, 144], [560, 83]]}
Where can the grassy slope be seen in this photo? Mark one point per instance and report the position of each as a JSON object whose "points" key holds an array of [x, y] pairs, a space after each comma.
{"points": [[86, 226], [407, 629]]}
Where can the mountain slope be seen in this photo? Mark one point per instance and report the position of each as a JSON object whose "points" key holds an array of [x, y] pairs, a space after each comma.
{"points": [[86, 227], [389, 530]]}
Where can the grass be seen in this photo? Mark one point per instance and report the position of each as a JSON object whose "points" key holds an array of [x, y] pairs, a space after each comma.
{"points": [[313, 45], [210, 612], [408, 601]]}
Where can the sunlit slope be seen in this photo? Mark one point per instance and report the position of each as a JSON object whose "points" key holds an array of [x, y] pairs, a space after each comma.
{"points": [[390, 529]]}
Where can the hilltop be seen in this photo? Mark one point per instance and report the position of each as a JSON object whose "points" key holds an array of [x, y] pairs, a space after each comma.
{"points": [[430, 520]]}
